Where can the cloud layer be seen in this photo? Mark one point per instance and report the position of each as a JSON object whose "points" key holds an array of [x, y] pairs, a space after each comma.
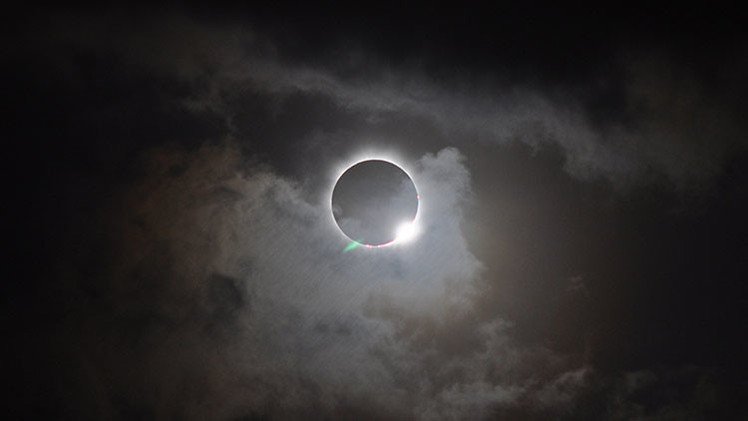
{"points": [[665, 121], [218, 324]]}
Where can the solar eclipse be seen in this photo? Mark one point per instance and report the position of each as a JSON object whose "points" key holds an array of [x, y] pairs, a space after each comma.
{"points": [[375, 204]]}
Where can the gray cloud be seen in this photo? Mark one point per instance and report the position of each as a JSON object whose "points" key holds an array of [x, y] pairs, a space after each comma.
{"points": [[689, 392], [670, 125], [209, 320], [676, 129]]}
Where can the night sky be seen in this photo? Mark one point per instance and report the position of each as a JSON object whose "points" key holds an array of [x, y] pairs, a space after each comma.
{"points": [[582, 249]]}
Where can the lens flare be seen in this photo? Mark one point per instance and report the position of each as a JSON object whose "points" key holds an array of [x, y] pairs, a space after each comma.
{"points": [[353, 245]]}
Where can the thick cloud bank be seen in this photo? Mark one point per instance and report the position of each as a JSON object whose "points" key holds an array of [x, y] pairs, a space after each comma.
{"points": [[213, 312]]}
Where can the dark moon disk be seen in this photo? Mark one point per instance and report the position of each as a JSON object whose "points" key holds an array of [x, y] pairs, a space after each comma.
{"points": [[372, 199]]}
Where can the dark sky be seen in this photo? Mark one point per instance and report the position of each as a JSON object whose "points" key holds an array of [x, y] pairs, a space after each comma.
{"points": [[582, 253]]}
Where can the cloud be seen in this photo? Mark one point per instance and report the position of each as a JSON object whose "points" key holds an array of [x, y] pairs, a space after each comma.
{"points": [[670, 126], [209, 308], [665, 394], [666, 122]]}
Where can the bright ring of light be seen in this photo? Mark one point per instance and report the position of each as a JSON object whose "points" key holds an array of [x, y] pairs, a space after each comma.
{"points": [[405, 232]]}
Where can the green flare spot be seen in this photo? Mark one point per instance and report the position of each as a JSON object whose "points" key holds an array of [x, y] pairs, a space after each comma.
{"points": [[353, 245]]}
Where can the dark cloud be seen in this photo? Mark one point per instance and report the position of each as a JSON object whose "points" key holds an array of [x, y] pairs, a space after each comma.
{"points": [[648, 115], [355, 329]]}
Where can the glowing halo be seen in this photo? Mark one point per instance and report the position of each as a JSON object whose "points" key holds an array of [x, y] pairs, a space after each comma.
{"points": [[405, 230]]}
